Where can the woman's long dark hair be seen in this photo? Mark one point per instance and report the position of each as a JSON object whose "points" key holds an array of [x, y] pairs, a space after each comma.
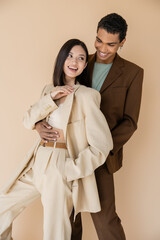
{"points": [[58, 74]]}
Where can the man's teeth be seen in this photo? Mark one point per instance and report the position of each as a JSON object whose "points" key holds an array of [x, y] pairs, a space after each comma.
{"points": [[103, 54]]}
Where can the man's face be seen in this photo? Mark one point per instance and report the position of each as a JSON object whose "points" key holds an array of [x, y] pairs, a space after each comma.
{"points": [[107, 44]]}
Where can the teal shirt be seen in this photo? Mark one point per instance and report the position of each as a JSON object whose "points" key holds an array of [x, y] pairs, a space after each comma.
{"points": [[100, 73]]}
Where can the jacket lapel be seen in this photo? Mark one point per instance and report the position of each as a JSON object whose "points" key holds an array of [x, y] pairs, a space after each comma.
{"points": [[114, 73], [90, 67], [67, 109]]}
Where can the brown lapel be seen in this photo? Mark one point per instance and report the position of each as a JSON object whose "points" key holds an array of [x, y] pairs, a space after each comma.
{"points": [[114, 73], [92, 59]]}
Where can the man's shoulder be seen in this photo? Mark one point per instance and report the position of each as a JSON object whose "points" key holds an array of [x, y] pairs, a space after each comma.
{"points": [[119, 62], [127, 64]]}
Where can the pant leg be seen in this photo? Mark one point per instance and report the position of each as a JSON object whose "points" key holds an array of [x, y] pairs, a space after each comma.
{"points": [[55, 193], [76, 226], [13, 203], [107, 223]]}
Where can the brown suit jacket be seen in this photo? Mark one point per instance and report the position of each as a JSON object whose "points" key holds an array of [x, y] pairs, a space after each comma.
{"points": [[120, 104]]}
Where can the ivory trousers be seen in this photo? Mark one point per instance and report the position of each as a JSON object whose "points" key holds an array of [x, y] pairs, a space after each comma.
{"points": [[45, 179]]}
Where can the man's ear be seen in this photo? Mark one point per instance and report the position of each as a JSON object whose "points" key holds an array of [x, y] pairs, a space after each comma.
{"points": [[123, 41]]}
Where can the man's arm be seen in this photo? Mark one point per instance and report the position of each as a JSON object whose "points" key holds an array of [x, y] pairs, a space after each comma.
{"points": [[46, 132], [124, 130]]}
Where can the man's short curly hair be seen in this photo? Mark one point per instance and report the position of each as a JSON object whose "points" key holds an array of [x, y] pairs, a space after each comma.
{"points": [[114, 23]]}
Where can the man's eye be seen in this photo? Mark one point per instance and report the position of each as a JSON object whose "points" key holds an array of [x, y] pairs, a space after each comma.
{"points": [[98, 40]]}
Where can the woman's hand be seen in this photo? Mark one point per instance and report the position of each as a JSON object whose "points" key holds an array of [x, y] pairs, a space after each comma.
{"points": [[61, 91]]}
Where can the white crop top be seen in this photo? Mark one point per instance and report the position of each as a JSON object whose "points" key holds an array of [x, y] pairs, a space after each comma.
{"points": [[55, 119]]}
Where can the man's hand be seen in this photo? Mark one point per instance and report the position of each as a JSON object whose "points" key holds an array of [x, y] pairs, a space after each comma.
{"points": [[46, 132]]}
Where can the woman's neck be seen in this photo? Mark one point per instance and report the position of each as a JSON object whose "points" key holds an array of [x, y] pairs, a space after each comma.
{"points": [[70, 82]]}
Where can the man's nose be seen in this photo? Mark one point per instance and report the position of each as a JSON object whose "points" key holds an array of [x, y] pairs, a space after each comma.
{"points": [[104, 48]]}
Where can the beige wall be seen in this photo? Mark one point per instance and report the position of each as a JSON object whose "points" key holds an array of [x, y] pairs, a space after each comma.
{"points": [[31, 33]]}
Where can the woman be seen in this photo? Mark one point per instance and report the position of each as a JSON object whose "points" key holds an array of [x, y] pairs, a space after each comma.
{"points": [[61, 172]]}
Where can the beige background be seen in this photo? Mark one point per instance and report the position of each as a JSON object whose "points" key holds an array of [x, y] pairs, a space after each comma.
{"points": [[31, 33]]}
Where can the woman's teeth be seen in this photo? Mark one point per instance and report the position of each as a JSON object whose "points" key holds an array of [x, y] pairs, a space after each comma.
{"points": [[72, 68]]}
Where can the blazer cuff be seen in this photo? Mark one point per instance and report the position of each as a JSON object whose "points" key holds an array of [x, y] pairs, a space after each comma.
{"points": [[49, 104]]}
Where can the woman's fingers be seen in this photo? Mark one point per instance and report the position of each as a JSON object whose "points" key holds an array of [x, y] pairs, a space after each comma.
{"points": [[66, 88], [61, 91]]}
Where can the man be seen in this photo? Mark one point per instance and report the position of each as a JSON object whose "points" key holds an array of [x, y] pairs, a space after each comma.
{"points": [[120, 84]]}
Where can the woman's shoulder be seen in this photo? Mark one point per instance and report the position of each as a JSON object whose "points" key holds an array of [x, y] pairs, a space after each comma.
{"points": [[47, 88], [87, 91], [87, 94]]}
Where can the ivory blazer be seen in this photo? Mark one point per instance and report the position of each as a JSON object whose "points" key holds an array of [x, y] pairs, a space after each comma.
{"points": [[87, 137]]}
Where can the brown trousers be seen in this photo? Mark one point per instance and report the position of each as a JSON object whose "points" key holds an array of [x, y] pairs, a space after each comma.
{"points": [[107, 223]]}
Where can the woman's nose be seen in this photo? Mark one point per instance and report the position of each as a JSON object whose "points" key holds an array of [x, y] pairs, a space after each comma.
{"points": [[74, 61]]}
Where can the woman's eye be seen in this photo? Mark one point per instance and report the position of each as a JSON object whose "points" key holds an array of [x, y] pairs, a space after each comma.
{"points": [[81, 58], [69, 55]]}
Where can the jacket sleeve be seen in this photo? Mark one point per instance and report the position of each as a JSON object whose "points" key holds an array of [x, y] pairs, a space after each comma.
{"points": [[98, 137], [39, 110], [124, 130]]}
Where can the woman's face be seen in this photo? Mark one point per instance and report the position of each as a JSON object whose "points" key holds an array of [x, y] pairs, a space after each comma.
{"points": [[75, 63]]}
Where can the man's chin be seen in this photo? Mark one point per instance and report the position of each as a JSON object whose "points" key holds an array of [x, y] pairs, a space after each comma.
{"points": [[106, 59]]}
